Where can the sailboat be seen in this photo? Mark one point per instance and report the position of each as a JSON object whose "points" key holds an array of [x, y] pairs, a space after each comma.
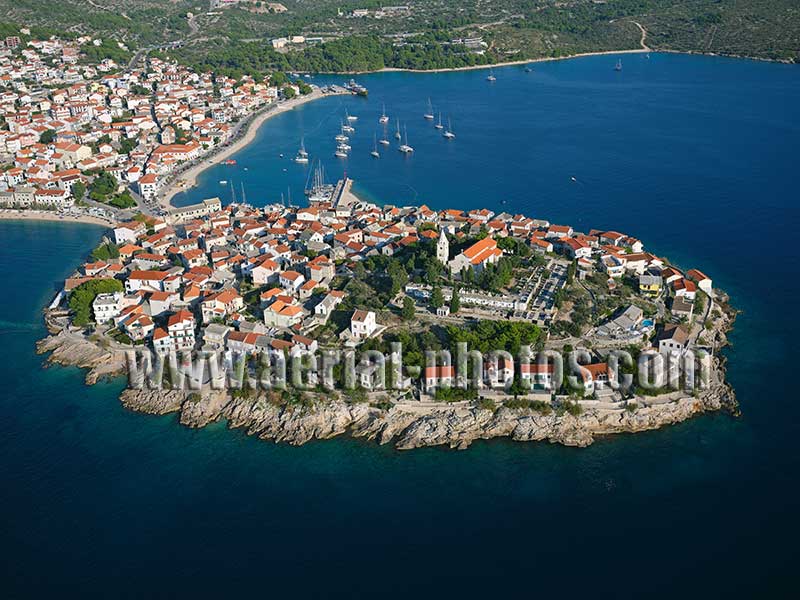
{"points": [[350, 118], [491, 76], [316, 188], [375, 152], [384, 119], [341, 137], [404, 147], [347, 128], [448, 133], [439, 124], [397, 135], [618, 66], [429, 115], [302, 155], [341, 150], [384, 140], [244, 197]]}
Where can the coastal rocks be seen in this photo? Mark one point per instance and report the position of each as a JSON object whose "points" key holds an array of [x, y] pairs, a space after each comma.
{"points": [[297, 424], [198, 410], [412, 427], [153, 402], [407, 425], [459, 428], [68, 348]]}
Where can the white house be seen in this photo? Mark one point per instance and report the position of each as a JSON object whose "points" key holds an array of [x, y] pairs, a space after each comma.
{"points": [[128, 232], [264, 272], [673, 338], [328, 304], [438, 377], [180, 327], [106, 307], [291, 280], [281, 314], [702, 280], [362, 324]]}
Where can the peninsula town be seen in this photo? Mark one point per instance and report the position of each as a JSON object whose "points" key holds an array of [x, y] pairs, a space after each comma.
{"points": [[107, 142]]}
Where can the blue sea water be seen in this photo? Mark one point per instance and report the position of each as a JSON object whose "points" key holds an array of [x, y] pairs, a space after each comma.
{"points": [[694, 155]]}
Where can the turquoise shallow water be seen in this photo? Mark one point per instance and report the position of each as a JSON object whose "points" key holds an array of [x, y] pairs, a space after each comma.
{"points": [[695, 155]]}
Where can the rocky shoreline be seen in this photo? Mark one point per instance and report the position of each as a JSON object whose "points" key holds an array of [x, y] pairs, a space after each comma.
{"points": [[407, 428], [407, 425]]}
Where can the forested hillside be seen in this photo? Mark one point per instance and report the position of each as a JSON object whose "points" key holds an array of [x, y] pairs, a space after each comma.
{"points": [[430, 34]]}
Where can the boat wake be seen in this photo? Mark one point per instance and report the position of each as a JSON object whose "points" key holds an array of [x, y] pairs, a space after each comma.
{"points": [[12, 327]]}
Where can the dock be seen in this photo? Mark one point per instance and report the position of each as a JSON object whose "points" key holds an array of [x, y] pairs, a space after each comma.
{"points": [[342, 196]]}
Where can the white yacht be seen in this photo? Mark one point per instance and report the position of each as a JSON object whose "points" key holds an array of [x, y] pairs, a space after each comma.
{"points": [[448, 133], [439, 123], [404, 147], [429, 114], [384, 140], [350, 118], [384, 119], [302, 155], [397, 135], [491, 76], [375, 153]]}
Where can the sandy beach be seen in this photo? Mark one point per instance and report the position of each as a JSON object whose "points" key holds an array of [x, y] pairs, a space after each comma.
{"points": [[518, 62], [188, 179], [43, 215]]}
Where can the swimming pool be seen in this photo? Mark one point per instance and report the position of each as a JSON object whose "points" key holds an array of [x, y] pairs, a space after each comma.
{"points": [[647, 323]]}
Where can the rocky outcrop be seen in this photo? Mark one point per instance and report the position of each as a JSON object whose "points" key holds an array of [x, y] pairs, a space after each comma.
{"points": [[69, 348], [200, 409], [153, 402], [409, 426]]}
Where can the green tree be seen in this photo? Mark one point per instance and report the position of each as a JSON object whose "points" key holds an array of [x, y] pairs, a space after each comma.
{"points": [[279, 79], [126, 145], [102, 185], [48, 136], [81, 298], [78, 190], [123, 200], [288, 92], [455, 301], [468, 275], [105, 252], [398, 275], [437, 298], [408, 309]]}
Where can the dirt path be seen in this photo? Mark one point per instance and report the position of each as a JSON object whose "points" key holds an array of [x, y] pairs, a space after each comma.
{"points": [[643, 41]]}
